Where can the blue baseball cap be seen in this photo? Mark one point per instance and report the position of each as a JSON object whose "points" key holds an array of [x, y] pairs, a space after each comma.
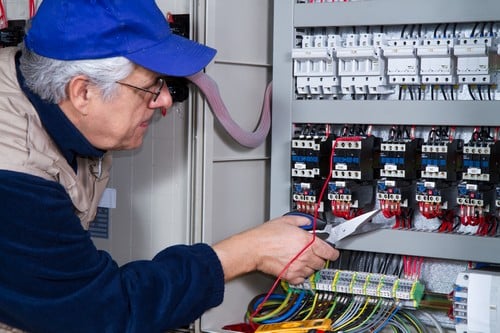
{"points": [[95, 29]]}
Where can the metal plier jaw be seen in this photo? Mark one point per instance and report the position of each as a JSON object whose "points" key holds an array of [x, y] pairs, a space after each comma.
{"points": [[358, 225]]}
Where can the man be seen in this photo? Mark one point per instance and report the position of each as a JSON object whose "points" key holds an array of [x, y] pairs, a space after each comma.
{"points": [[87, 82]]}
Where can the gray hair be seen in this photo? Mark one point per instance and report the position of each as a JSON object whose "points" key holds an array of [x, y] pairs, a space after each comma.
{"points": [[49, 77]]}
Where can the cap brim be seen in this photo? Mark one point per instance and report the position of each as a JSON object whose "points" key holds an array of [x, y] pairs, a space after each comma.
{"points": [[176, 56]]}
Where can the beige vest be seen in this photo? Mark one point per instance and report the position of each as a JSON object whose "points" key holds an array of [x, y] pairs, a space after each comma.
{"points": [[26, 147]]}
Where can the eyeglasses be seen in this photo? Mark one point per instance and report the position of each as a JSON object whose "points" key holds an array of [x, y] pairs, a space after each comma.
{"points": [[158, 86]]}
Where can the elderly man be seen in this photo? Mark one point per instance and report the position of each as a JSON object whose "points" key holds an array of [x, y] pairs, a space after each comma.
{"points": [[86, 82]]}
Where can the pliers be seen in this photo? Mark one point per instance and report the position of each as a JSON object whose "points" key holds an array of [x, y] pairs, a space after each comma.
{"points": [[334, 234]]}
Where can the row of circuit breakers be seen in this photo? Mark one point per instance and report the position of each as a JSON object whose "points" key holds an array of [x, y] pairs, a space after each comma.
{"points": [[450, 183], [446, 61]]}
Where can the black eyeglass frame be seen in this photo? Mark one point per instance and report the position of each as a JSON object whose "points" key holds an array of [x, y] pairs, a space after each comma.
{"points": [[156, 94]]}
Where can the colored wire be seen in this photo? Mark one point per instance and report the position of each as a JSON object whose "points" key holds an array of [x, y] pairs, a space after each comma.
{"points": [[388, 319], [347, 316], [3, 16], [275, 311], [414, 321], [355, 317], [289, 313], [368, 318], [401, 321], [332, 308], [313, 306], [378, 317], [32, 8], [316, 211]]}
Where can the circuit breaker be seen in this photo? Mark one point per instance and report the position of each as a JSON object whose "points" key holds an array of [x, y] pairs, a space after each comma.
{"points": [[406, 98]]}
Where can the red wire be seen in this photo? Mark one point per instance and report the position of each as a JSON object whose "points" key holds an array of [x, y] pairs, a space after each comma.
{"points": [[3, 17], [32, 8], [316, 208]]}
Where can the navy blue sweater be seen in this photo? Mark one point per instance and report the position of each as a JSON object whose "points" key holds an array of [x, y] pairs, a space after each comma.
{"points": [[53, 279]]}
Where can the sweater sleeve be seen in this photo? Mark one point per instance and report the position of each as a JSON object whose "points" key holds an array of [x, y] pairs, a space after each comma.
{"points": [[53, 279]]}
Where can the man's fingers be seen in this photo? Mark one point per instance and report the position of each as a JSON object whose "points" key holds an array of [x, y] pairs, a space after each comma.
{"points": [[296, 220], [324, 250]]}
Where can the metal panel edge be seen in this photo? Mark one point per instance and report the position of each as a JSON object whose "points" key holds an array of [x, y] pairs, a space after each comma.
{"points": [[393, 12], [281, 106], [402, 112], [426, 244]]}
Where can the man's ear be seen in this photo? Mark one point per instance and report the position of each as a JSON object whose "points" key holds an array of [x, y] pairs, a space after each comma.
{"points": [[79, 94]]}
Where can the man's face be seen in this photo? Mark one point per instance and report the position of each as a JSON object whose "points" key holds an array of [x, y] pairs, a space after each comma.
{"points": [[121, 122]]}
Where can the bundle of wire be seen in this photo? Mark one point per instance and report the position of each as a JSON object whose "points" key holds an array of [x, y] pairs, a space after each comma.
{"points": [[349, 313], [316, 211]]}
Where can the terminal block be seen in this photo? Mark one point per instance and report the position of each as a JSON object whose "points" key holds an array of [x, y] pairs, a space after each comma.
{"points": [[481, 161], [310, 154], [437, 200], [306, 196], [400, 158], [408, 291], [438, 195], [310, 161], [396, 198], [475, 202], [355, 158], [442, 159], [348, 197]]}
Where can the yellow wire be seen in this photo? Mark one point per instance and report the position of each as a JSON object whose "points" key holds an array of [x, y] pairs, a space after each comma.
{"points": [[375, 309], [355, 317], [248, 313], [413, 322], [313, 306], [346, 312], [275, 311]]}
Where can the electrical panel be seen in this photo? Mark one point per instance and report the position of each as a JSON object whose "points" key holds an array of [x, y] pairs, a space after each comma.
{"points": [[388, 105]]}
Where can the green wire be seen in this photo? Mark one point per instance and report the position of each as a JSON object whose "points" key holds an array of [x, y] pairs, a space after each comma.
{"points": [[414, 320], [313, 306], [346, 311], [367, 318], [334, 304], [352, 320], [248, 313], [275, 311], [402, 322]]}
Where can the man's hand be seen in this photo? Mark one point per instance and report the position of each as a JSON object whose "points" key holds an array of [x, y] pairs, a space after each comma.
{"points": [[271, 246]]}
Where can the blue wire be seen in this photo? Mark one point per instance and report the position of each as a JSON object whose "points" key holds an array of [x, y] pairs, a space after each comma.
{"points": [[287, 314], [387, 320], [272, 296]]}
